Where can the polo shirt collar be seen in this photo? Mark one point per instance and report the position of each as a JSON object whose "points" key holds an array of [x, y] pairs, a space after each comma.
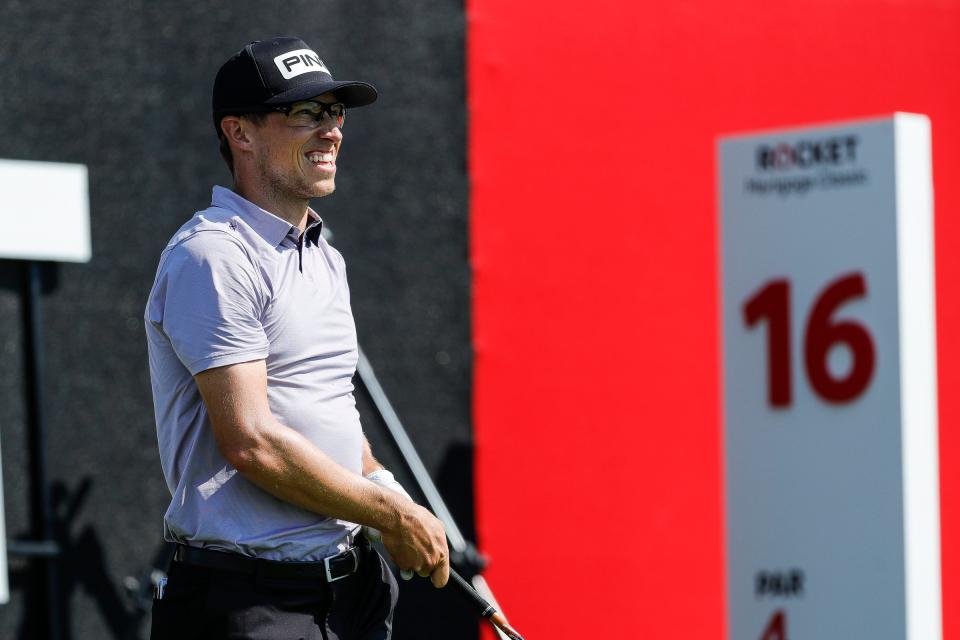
{"points": [[314, 227], [270, 227]]}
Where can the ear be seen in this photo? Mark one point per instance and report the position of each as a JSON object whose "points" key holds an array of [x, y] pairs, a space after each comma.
{"points": [[237, 131]]}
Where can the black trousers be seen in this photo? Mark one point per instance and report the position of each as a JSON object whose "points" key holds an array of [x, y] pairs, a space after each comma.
{"points": [[211, 604]]}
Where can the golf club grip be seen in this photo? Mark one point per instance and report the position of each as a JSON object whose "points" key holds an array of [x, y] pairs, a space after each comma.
{"points": [[485, 608]]}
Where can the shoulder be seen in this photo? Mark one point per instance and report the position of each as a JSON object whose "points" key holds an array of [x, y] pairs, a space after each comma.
{"points": [[210, 237], [206, 263], [209, 255]]}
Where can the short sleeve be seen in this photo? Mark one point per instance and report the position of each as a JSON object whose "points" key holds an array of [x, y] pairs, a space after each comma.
{"points": [[208, 299]]}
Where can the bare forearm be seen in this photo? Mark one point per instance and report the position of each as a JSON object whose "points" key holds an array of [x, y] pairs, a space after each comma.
{"points": [[290, 467], [287, 465]]}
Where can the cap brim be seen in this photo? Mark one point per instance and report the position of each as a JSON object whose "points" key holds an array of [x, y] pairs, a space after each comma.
{"points": [[350, 92]]}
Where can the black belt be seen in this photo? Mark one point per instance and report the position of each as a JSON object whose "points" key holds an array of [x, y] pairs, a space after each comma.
{"points": [[331, 568]]}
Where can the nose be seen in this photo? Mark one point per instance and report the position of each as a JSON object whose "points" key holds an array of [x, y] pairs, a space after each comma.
{"points": [[330, 133]]}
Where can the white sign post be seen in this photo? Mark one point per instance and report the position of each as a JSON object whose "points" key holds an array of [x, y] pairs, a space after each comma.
{"points": [[830, 384], [44, 215]]}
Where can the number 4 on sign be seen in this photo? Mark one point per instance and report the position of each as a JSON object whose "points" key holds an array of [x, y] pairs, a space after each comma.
{"points": [[772, 303], [777, 627]]}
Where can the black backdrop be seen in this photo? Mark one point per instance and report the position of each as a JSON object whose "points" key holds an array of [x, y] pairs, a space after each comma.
{"points": [[123, 87]]}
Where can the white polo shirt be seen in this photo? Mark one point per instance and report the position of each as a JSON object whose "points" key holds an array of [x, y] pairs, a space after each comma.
{"points": [[237, 284]]}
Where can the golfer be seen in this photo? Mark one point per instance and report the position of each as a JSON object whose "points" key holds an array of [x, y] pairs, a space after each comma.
{"points": [[252, 351]]}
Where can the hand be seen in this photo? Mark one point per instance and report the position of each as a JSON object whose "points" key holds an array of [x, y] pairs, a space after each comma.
{"points": [[419, 543]]}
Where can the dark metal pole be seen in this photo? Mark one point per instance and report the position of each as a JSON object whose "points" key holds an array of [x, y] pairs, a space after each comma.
{"points": [[41, 512], [457, 542], [461, 548]]}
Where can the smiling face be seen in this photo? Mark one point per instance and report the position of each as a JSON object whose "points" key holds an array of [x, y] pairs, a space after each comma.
{"points": [[295, 161]]}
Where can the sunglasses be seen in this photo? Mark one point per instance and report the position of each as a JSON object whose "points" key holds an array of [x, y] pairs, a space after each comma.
{"points": [[312, 114]]}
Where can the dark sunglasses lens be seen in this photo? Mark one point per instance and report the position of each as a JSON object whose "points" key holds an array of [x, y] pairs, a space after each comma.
{"points": [[313, 114], [338, 112]]}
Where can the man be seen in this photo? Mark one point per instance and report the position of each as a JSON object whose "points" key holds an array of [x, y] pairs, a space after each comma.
{"points": [[252, 351]]}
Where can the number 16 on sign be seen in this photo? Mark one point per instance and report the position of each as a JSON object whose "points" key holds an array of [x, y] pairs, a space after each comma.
{"points": [[829, 380], [821, 335]]}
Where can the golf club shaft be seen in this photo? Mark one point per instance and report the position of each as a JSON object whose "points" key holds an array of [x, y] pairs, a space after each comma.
{"points": [[485, 609]]}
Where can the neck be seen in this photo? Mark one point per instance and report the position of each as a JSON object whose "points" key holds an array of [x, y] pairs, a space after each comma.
{"points": [[293, 210]]}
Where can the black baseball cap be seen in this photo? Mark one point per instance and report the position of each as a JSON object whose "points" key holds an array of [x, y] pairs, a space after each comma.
{"points": [[279, 71]]}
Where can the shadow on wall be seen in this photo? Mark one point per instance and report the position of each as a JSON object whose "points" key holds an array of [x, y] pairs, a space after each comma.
{"points": [[122, 604], [124, 607]]}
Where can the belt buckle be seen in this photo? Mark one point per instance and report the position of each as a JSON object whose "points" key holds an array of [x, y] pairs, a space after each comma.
{"points": [[356, 565]]}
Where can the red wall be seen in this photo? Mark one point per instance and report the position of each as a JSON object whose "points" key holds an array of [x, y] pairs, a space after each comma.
{"points": [[593, 231]]}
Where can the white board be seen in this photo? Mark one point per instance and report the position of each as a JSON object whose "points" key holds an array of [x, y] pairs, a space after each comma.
{"points": [[829, 373], [44, 211]]}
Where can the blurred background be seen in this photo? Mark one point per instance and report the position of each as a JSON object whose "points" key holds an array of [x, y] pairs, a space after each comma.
{"points": [[529, 220]]}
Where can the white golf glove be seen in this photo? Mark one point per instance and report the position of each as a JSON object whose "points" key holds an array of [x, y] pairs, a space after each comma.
{"points": [[386, 480]]}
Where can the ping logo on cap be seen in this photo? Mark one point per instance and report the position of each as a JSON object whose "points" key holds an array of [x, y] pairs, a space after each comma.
{"points": [[295, 63]]}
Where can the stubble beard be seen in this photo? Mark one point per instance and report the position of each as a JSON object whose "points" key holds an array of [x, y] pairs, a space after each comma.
{"points": [[285, 186]]}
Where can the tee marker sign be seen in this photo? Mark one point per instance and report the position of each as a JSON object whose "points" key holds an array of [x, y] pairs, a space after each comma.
{"points": [[830, 382]]}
